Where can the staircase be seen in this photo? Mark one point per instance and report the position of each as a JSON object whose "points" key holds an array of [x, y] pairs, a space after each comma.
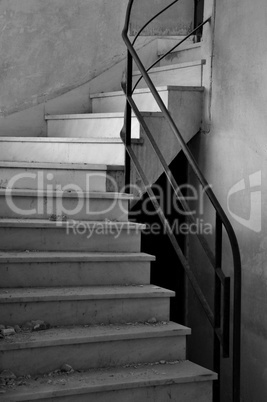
{"points": [[71, 259]]}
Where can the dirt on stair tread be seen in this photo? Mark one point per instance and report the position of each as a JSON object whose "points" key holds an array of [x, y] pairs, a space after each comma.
{"points": [[9, 295], [91, 333], [57, 256], [97, 380]]}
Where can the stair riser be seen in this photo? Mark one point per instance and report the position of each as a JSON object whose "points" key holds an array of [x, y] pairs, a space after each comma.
{"points": [[86, 312], [96, 153], [93, 355], [108, 127], [182, 56], [188, 120], [80, 208], [50, 179], [187, 76], [74, 274], [116, 103], [188, 392], [76, 237]]}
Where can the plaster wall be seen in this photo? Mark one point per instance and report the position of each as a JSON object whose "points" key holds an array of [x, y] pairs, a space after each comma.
{"points": [[51, 46], [178, 20], [234, 150], [53, 51]]}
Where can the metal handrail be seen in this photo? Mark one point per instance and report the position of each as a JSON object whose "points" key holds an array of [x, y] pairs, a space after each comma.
{"points": [[221, 335], [152, 19], [171, 50]]}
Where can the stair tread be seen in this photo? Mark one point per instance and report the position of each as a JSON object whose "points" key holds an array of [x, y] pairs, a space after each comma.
{"points": [[67, 140], [183, 47], [52, 165], [111, 379], [89, 334], [112, 115], [16, 295], [174, 66], [65, 194], [42, 223], [147, 90], [52, 256]]}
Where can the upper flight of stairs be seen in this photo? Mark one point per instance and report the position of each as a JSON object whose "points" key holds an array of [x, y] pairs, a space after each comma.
{"points": [[70, 257]]}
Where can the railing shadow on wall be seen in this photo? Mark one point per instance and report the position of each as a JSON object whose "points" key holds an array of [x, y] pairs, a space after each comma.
{"points": [[219, 317]]}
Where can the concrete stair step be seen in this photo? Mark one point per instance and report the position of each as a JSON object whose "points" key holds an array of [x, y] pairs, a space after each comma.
{"points": [[84, 305], [185, 53], [178, 381], [89, 125], [90, 236], [188, 74], [101, 151], [60, 176], [166, 43], [96, 125], [78, 205], [115, 101], [92, 347], [50, 269], [188, 118]]}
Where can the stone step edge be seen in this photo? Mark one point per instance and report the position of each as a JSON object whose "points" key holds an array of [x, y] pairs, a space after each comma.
{"points": [[67, 140], [123, 378], [183, 47], [147, 90], [41, 223], [94, 334], [114, 115], [50, 256], [65, 194], [174, 66], [51, 166], [78, 293], [58, 166]]}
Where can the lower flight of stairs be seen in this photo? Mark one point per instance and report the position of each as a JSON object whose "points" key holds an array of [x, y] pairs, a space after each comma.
{"points": [[91, 283]]}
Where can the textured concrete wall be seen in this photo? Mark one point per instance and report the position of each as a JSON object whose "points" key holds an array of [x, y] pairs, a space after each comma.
{"points": [[234, 150], [178, 20], [50, 46]]}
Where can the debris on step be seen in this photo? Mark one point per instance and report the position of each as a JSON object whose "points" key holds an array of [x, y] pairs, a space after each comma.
{"points": [[26, 327], [55, 218], [8, 331], [152, 321], [17, 329], [66, 368], [40, 325], [7, 375], [2, 382], [36, 325]]}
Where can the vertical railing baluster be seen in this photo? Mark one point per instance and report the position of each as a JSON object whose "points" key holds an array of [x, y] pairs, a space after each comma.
{"points": [[128, 119], [217, 309], [226, 317]]}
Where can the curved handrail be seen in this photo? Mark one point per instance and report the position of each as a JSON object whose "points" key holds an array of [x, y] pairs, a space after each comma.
{"points": [[152, 19], [171, 50], [221, 217]]}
